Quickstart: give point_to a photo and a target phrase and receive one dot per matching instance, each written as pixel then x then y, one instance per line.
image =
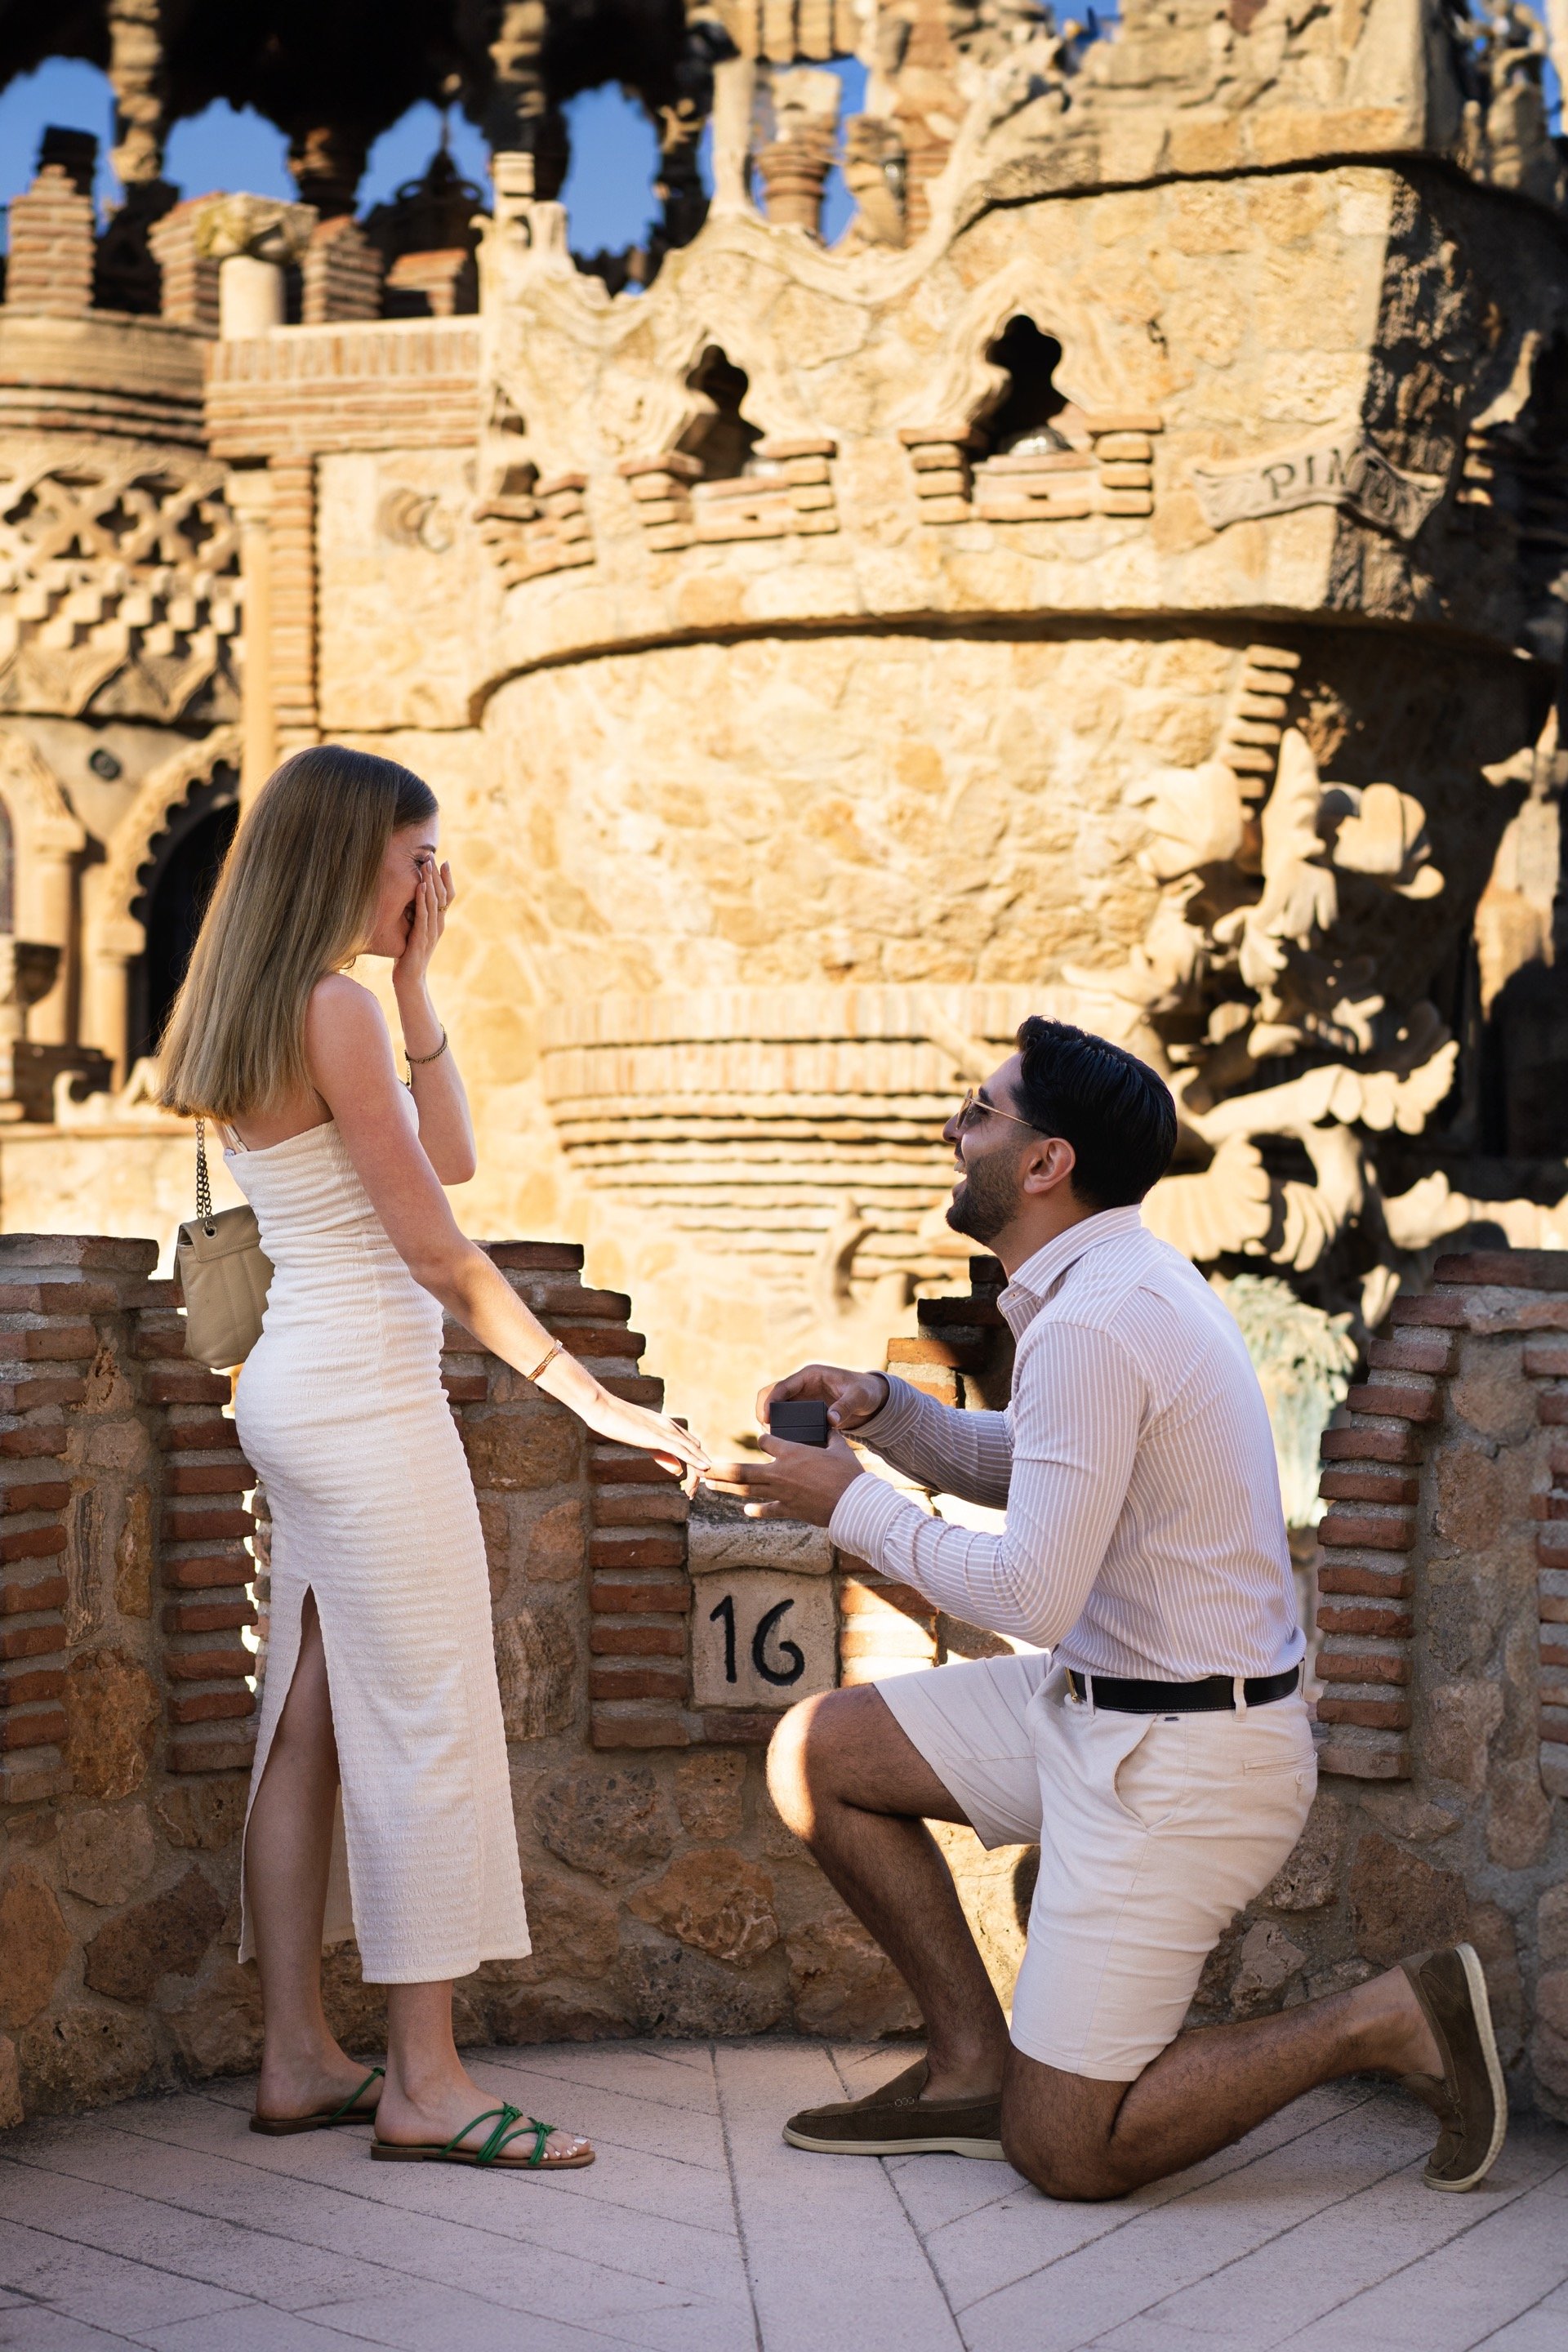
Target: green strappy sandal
pixel 510 2123
pixel 349 2112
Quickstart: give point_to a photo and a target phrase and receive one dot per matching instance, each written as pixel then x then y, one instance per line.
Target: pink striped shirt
pixel 1144 1532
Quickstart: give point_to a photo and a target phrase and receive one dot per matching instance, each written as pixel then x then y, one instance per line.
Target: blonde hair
pixel 293 902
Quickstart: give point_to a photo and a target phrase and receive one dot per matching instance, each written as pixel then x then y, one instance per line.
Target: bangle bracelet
pixel 558 1348
pixel 415 1060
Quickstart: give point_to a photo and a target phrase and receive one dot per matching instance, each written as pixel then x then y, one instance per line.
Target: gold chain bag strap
pixel 224 1274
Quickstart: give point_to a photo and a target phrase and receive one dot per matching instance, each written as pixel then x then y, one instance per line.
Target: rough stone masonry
pixel 1120 576
pixel 665 1896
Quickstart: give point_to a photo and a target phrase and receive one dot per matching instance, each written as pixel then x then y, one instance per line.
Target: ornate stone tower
pixel 1120 578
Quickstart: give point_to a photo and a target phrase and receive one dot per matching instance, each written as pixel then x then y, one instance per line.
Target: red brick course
pixel 1407 1400
pixel 1394 1533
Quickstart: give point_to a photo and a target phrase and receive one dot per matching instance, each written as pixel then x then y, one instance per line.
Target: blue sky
pixel 608 199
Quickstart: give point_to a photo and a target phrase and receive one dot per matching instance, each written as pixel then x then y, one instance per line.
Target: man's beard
pixel 987 1199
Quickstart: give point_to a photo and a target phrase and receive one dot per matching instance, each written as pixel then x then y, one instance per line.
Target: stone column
pixel 47 896
pixel 795 162
pixel 253 238
pixel 734 101
pixel 250 494
pixel 111 940
pixel 292 572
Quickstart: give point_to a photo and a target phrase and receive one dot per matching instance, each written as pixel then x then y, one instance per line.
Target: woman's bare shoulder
pixel 341 1007
pixel 346 1035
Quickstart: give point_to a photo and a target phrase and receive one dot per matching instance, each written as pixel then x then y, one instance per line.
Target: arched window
pixel 177 882
pixel 7 872
pixel 721 439
pixel 1020 425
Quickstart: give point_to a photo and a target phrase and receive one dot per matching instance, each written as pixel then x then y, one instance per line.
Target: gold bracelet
pixel 416 1061
pixel 558 1348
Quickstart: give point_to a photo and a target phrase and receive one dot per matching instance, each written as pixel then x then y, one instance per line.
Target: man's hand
pixel 796 1482
pixel 851 1397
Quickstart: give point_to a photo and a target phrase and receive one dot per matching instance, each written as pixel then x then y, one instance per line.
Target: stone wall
pixel 645 1656
pixel 664 1894
pixel 1443 1804
pixel 125 1720
pixel 1442 1718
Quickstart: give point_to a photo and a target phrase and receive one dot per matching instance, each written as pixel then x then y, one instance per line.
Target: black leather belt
pixel 1215 1694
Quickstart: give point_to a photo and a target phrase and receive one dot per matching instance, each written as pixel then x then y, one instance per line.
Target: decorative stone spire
pixel 521 118
pixel 795 162
pixel 138 78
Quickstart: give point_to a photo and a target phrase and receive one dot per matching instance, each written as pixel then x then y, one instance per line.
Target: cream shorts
pixel 1153 1831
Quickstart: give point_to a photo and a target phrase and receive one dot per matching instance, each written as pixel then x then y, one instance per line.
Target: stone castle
pixel 1124 576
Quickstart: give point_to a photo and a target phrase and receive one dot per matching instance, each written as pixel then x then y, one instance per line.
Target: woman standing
pixel 381 1674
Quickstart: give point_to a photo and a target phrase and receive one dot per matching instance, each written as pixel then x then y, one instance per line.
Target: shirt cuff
pixel 892 1421
pixel 866 1515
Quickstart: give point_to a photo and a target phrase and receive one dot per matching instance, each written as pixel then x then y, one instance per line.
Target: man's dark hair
pixel 1114 1110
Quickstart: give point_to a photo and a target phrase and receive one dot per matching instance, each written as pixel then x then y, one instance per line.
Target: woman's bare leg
pixel 429 2094
pixel 288 1851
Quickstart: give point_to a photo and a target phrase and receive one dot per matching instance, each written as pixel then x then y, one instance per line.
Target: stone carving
pixel 119 585
pixel 1346 472
pixel 1304 1360
pixel 261 228
pixel 413 518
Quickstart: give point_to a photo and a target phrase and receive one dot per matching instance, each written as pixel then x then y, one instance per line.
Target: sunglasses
pixel 974 1108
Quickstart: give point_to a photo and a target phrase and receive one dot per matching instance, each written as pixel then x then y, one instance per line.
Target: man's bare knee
pixel 1057 2129
pixel 844 1747
pixel 801 1759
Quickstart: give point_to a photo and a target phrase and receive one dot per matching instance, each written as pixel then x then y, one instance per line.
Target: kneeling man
pixel 1161 1753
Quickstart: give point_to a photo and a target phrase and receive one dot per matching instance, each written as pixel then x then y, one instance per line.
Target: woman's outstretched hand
pixel 632 1425
pixel 432 895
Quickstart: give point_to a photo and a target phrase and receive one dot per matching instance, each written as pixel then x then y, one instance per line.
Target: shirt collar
pixel 1038 1276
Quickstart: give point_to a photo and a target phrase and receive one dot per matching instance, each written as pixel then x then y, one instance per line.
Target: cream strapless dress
pixel 342 1412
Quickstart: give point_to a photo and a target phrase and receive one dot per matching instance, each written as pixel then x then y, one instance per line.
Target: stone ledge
pixel 716 1545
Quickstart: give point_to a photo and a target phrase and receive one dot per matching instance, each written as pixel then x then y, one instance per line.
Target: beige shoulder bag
pixel 224 1274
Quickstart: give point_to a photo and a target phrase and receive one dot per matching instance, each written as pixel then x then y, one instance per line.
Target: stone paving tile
pixel 99 2288
pixel 828 2245
pixel 302 2243
pixel 164 2224
pixel 1150 2249
pixel 444 2319
pixel 253 2328
pixel 1322 2269
pixel 627 2067
pixel 245 2259
pixel 1512 2253
pixel 1544 2329
pixel 666 2190
pixel 30 2328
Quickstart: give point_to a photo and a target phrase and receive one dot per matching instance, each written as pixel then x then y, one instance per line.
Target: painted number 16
pixel 793 1657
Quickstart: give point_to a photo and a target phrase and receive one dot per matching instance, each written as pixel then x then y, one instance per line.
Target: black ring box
pixel 802 1420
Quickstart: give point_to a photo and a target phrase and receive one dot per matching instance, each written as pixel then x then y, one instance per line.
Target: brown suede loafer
pixel 1470 2102
pixel 896 2121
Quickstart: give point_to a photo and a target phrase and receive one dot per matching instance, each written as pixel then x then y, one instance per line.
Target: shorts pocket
pixel 1150 1780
